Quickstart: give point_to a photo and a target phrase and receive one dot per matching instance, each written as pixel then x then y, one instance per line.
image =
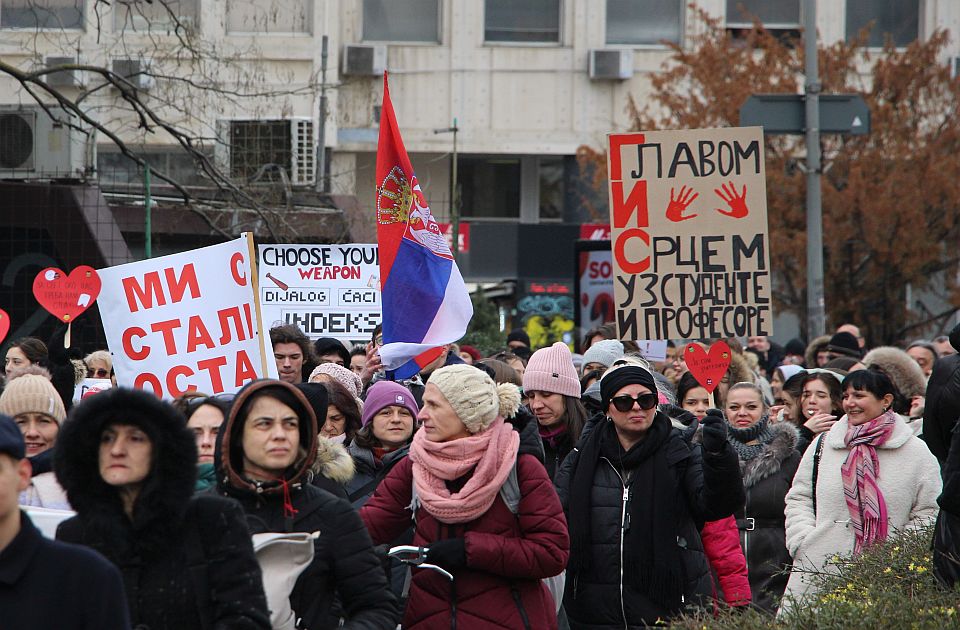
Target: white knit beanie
pixel 551 370
pixel 474 396
pixel 32 393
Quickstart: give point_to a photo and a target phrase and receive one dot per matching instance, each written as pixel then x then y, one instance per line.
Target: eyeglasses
pixel 625 403
pixel 97 373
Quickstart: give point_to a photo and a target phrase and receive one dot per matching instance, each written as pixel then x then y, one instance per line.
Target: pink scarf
pixel 491 455
pixel 860 472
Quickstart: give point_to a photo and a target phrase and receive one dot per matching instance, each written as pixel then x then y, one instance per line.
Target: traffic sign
pixel 784 113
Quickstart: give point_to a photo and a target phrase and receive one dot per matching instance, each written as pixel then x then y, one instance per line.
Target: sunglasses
pixel 625 403
pixel 97 373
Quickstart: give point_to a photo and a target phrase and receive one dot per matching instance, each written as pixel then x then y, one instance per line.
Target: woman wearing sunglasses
pixel 634 492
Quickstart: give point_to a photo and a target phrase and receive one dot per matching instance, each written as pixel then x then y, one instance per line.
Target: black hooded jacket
pixel 344 561
pixel 942 406
pixel 187 562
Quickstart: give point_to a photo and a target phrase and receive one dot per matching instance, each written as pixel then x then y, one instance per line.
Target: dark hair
pixel 575 416
pixel 523 353
pixel 870 380
pixel 343 400
pixel 592 375
pixel 687 382
pixel 292 334
pixel 358 351
pixel 901 404
pixel 188 403
pixel 34 349
pixel 282 395
pixel 377 330
pixel 833 387
pixel 499 371
pixel 364 438
pixel 506 356
pixel 842 363
pixel 329 345
pixel 794 384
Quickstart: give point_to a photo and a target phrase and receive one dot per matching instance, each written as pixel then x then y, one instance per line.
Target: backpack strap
pixel 818 451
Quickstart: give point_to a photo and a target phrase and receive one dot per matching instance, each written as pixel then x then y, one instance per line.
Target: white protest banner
pixel 90 385
pixel 185 322
pixel 325 290
pixel 688 212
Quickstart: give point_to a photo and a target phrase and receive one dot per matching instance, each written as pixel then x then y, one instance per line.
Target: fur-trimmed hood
pixel 782 445
pixel 810 356
pixel 169 485
pixel 333 461
pixel 900 367
pixel 739 369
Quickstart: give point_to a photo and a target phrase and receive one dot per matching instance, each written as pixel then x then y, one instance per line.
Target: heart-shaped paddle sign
pixel 4 324
pixel 708 367
pixel 65 297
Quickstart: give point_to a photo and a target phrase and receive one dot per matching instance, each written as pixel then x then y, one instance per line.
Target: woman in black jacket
pixel 264 461
pixel 128 465
pixel 769 457
pixel 635 493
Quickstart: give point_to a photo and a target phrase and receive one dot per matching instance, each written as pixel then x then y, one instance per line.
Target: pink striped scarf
pixel 491 455
pixel 860 473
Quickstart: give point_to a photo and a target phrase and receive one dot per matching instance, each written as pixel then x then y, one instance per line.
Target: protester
pixel 332 372
pixel 794 352
pixel 873 479
pixel 469 354
pixel 342 419
pixel 738 372
pixel 769 458
pixel 854 331
pixel 35 406
pixel 779 377
pixel 205 415
pixel 128 464
pixel 646 563
pixel 552 390
pixel 944 346
pixel 44 583
pixel 816 354
pixel 692 396
pixel 459 461
pixel 942 404
pixel 358 359
pixel 499 371
pixel 24 352
pixel 333 467
pixel 909 383
pixel 518 364
pixel 265 456
pixel 99 364
pixel 925 354
pixel 791 393
pixel 843 344
pixel 388 422
pixel 330 350
pixel 770 354
pixel 820 403
pixel 518 338
pixel 293 353
pixel 601 355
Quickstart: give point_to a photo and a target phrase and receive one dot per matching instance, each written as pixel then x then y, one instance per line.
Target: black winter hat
pixel 844 343
pixel 796 346
pixel 329 345
pixel 11 439
pixel 518 334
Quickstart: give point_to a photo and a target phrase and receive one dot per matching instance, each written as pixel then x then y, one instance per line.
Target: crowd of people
pixel 521 489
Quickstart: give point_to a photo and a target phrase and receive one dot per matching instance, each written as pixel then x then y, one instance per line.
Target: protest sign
pixel 688 216
pixel 325 290
pixel 185 322
pixel 89 386
pixel 4 324
pixel 708 367
pixel 66 296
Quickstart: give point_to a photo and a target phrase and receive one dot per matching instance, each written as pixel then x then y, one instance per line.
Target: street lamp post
pixel 454 211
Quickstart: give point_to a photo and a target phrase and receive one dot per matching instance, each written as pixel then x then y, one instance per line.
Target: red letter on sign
pixel 236 262
pixel 151 289
pixel 623 209
pixel 187 280
pixel 628 266
pixel 126 338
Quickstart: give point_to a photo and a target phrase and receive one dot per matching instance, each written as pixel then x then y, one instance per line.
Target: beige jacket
pixel 910 483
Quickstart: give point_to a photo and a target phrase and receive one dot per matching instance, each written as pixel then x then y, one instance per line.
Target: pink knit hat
pixel 551 370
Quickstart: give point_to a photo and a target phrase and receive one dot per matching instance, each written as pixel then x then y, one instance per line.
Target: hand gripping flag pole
pixel 425 301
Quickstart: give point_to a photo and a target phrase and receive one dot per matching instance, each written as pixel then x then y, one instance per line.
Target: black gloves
pixel 449 553
pixel 680 414
pixel 714 431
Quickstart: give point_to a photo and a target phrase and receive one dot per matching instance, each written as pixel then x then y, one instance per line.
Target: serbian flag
pixel 425 302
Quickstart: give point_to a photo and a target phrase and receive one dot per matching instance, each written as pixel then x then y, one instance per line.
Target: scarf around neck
pixel 651 557
pixel 489 454
pixel 738 438
pixel 553 437
pixel 860 472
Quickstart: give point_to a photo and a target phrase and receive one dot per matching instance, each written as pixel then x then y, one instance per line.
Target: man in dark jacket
pixel 264 461
pixel 44 583
pixel 942 408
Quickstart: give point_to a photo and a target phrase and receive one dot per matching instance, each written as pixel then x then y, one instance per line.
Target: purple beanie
pixel 385 394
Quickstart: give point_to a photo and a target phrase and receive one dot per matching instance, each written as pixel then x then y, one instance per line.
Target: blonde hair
pixel 99 355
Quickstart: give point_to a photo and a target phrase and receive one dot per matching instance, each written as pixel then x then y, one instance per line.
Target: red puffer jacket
pixel 507 554
pixel 721 543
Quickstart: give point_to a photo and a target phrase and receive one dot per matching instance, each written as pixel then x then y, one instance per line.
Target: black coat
pixel 49 584
pixel 711 489
pixel 942 406
pixel 766 479
pixel 344 562
pixel 187 562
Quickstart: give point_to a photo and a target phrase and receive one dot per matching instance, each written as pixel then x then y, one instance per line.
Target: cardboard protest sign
pixel 4 324
pixel 66 296
pixel 326 290
pixel 185 322
pixel 708 367
pixel 688 216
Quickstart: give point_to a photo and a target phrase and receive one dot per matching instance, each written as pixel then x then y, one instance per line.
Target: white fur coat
pixel 909 478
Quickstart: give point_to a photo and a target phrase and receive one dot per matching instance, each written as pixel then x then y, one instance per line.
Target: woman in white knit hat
pixel 498 546
pixel 34 404
pixel 552 388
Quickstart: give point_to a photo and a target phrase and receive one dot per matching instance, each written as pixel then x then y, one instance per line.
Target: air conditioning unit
pixel 364 60
pixel 35 146
pixel 62 78
pixel 616 64
pixel 247 150
pixel 136 71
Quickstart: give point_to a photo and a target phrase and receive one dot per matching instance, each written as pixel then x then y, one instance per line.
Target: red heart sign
pixel 708 367
pixel 65 296
pixel 4 324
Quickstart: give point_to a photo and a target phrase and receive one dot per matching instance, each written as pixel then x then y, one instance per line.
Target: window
pixel 773 14
pixel 401 20
pixel 115 169
pixel 535 21
pixel 552 176
pixel 269 16
pixel 898 19
pixel 52 14
pixel 139 15
pixel 644 22
pixel 490 187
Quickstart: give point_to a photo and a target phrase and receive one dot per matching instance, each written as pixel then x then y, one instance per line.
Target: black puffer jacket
pixel 767 478
pixel 344 561
pixel 368 470
pixel 942 405
pixel 711 487
pixel 174 540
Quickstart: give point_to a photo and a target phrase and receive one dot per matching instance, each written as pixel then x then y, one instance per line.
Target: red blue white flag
pixel 425 302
